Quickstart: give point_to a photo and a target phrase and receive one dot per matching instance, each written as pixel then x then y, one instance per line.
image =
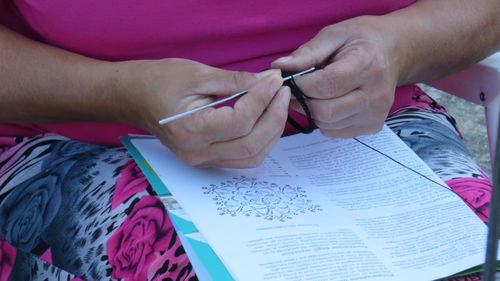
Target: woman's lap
pixel 71 209
pixel 88 211
pixel 432 134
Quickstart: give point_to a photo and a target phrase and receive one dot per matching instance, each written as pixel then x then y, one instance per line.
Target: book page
pixel 327 209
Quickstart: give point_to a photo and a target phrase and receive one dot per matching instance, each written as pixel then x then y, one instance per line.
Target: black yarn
pixel 301 98
pixel 422 175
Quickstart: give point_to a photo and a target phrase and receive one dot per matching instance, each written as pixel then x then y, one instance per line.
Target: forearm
pixel 40 83
pixel 434 38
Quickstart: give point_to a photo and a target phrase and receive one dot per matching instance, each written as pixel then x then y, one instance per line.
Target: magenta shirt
pixel 236 35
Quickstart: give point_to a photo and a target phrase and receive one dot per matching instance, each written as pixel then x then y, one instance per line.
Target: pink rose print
pixel 470 277
pixel 131 181
pixel 47 256
pixel 140 240
pixel 476 192
pixel 6 143
pixel 7 259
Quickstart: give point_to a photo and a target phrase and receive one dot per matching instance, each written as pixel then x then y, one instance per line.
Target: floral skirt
pixel 71 210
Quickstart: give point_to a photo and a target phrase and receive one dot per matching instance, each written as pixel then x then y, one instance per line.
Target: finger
pixel 333 110
pixel 216 157
pixel 315 52
pixel 335 80
pixel 228 123
pixel 269 127
pixel 296 106
pixel 361 119
pixel 353 131
pixel 251 162
pixel 342 124
pixel 216 81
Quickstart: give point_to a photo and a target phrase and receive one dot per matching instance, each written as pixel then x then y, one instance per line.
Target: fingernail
pixel 268 73
pixel 274 85
pixel 283 59
pixel 286 89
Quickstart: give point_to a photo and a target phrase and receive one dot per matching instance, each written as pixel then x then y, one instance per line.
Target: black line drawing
pixel 262 199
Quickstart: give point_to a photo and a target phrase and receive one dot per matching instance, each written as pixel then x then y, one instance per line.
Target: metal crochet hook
pixel 180 115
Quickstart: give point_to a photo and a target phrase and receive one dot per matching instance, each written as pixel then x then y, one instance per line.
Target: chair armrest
pixel 479 84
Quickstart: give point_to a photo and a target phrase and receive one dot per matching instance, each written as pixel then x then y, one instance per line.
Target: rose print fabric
pixel 135 247
pixel 432 133
pixel 77 211
pixel 71 210
pixel 7 259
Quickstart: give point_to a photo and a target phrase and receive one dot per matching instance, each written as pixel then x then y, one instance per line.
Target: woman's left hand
pixel 353 93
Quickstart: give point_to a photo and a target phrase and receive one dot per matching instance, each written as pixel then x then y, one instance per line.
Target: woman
pixel 72 205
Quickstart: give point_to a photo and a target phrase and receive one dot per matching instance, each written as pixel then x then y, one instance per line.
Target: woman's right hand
pixel 235 137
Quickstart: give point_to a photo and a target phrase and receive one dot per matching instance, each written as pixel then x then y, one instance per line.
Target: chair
pixel 479 84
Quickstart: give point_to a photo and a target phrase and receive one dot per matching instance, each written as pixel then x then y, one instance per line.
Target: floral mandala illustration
pixel 250 197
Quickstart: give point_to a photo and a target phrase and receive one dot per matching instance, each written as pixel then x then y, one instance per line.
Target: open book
pixel 317 209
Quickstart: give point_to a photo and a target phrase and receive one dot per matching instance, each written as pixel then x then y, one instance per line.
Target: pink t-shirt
pixel 236 35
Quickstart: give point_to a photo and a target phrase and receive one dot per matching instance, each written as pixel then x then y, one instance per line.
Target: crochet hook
pixel 180 115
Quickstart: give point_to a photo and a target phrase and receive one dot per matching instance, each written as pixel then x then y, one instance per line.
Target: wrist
pixel 96 96
pixel 122 84
pixel 403 49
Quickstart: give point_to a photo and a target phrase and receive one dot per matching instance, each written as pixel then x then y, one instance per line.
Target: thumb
pixel 225 83
pixel 316 52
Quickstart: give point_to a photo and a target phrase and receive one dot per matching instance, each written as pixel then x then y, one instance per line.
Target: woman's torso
pixel 238 35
